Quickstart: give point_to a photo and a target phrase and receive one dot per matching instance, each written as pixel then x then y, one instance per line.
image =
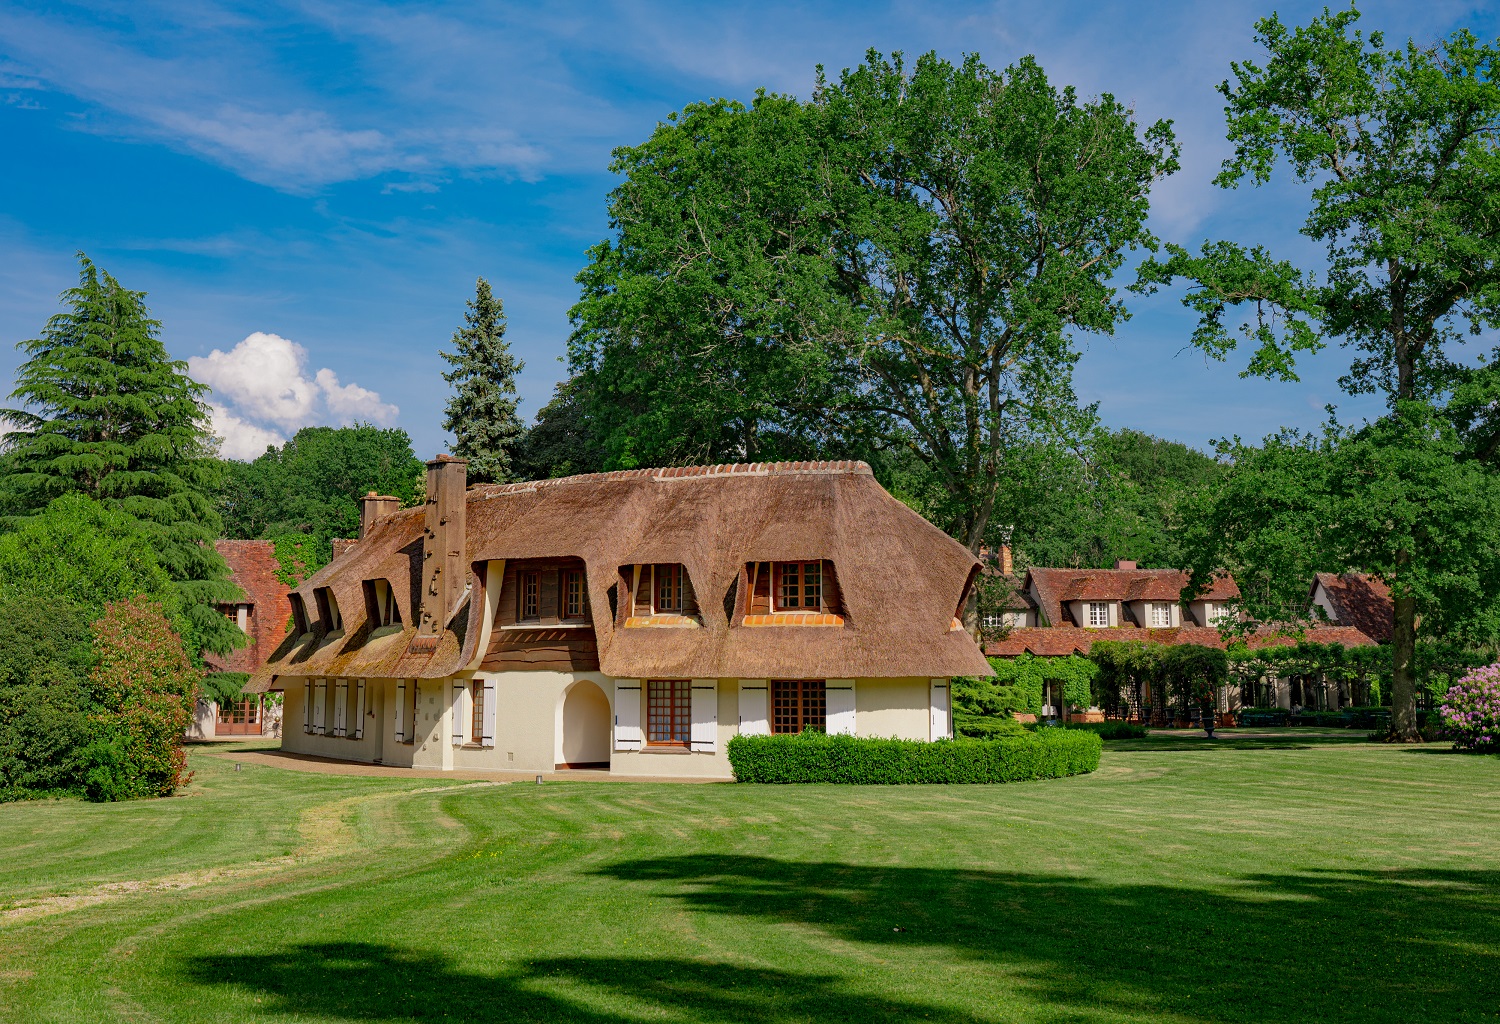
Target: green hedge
pixel 814 757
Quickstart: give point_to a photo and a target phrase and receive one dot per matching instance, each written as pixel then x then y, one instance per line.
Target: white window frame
pixel 1160 615
pixel 1101 608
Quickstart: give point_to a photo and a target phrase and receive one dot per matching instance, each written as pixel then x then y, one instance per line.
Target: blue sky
pixel 308 190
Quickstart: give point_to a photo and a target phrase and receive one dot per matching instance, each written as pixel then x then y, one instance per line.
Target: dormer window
pixel 299 614
pixel 668 586
pixel 799 586
pixel 328 609
pixel 1098 614
pixel 575 596
pixel 1160 615
pixel 380 604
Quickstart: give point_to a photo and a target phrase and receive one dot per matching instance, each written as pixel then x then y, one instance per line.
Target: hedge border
pixel 849 760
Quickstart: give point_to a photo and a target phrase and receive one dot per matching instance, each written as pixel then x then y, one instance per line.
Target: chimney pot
pixel 1124 563
pixel 374 507
pixel 1007 563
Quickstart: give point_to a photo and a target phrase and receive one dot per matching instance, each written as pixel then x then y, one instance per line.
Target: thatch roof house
pixel 603 619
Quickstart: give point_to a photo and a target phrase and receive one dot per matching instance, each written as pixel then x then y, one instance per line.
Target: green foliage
pixel 1113 730
pixel 108 415
pixel 45 656
pixel 307 492
pixel 223 687
pixel 815 757
pixel 144 688
pixel 562 441
pixel 1122 495
pixel 1401 148
pixel 1159 675
pixel 1016 688
pixel 481 412
pixel 81 552
pixel 896 266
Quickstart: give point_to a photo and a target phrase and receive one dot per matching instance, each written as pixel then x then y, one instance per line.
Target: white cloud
pixel 241 440
pixel 263 391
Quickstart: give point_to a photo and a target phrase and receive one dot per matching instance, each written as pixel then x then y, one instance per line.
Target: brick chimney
pixel 442 544
pixel 375 506
pixel 1007 562
pixel 1124 563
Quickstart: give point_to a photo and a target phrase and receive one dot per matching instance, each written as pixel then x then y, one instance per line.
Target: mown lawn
pixel 1298 880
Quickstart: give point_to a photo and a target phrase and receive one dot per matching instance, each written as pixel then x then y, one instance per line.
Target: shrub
pixel 1113 730
pixel 988 728
pixel 1471 711
pixel 814 757
pixel 145 688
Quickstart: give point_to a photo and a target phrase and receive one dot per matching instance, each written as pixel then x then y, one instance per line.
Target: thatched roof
pixel 901 578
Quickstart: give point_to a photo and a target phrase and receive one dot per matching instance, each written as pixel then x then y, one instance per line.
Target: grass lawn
pixel 1306 878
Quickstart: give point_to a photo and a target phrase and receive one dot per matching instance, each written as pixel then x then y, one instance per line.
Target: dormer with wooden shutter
pixel 658 594
pixel 543 619
pixel 328 610
pixel 381 609
pixel 802 592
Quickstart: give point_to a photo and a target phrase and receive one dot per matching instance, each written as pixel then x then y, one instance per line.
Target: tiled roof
pixel 1059 641
pixel 253 567
pixel 1054 587
pixel 1361 601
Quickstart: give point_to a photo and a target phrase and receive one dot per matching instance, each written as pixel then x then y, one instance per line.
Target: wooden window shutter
pixel 320 707
pixel 460 733
pixel 942 726
pixel 840 707
pixel 359 710
pixel 401 711
pixel 307 692
pixel 705 712
pixel 755 708
pixel 643 594
pixel 628 715
pixel 489 713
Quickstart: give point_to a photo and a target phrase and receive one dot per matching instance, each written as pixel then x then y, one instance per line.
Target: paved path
pixel 275 758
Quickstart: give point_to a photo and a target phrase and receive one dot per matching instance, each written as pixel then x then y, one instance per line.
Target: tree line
pixel 897 269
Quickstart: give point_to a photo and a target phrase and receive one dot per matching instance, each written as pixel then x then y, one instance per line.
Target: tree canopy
pixel 481 411
pixel 896 266
pixel 106 413
pixel 1400 147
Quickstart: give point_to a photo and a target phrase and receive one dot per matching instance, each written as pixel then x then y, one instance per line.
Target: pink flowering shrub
pixel 1471 710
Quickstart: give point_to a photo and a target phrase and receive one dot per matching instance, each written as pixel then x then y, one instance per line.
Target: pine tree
pixel 481 413
pixel 105 412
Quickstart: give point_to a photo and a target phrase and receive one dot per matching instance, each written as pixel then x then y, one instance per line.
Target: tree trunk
pixel 1404 669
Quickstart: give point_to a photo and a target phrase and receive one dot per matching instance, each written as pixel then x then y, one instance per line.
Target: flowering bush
pixel 1471 710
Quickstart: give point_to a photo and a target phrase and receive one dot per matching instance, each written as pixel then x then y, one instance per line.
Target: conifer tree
pixel 481 412
pixel 105 412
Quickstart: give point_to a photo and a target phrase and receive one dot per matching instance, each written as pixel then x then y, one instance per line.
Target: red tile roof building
pixel 265 610
pixel 1355 599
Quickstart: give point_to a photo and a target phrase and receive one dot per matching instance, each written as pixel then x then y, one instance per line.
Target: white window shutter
pixel 489 713
pixel 341 707
pixel 942 727
pixel 400 711
pixel 307 706
pixel 705 712
pixel 755 707
pixel 628 716
pixel 320 707
pixel 460 732
pixel 359 710
pixel 840 707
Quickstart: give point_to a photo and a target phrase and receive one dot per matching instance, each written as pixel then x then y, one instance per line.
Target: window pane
pixel 812 585
pixel 668 711
pixel 531 588
pixel 797 705
pixel 476 721
pixel 791 585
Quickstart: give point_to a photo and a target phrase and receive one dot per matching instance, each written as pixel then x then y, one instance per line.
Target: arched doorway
pixel 585 728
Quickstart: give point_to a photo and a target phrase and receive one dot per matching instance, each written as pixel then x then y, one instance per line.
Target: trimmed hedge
pixel 814 757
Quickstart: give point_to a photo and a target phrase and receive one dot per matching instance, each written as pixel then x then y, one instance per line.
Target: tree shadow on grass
pixel 362 981
pixel 1319 945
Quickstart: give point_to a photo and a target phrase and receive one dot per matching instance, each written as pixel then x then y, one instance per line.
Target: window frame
pixel 798 705
pixel 669 702
pixel 671 574
pixel 805 592
pixel 567 579
pixel 1162 609
pixel 1090 607
pixel 476 712
pixel 529 595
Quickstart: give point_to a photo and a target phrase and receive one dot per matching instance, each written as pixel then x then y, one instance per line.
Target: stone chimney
pixel 1007 563
pixel 443 538
pixel 1124 563
pixel 375 506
